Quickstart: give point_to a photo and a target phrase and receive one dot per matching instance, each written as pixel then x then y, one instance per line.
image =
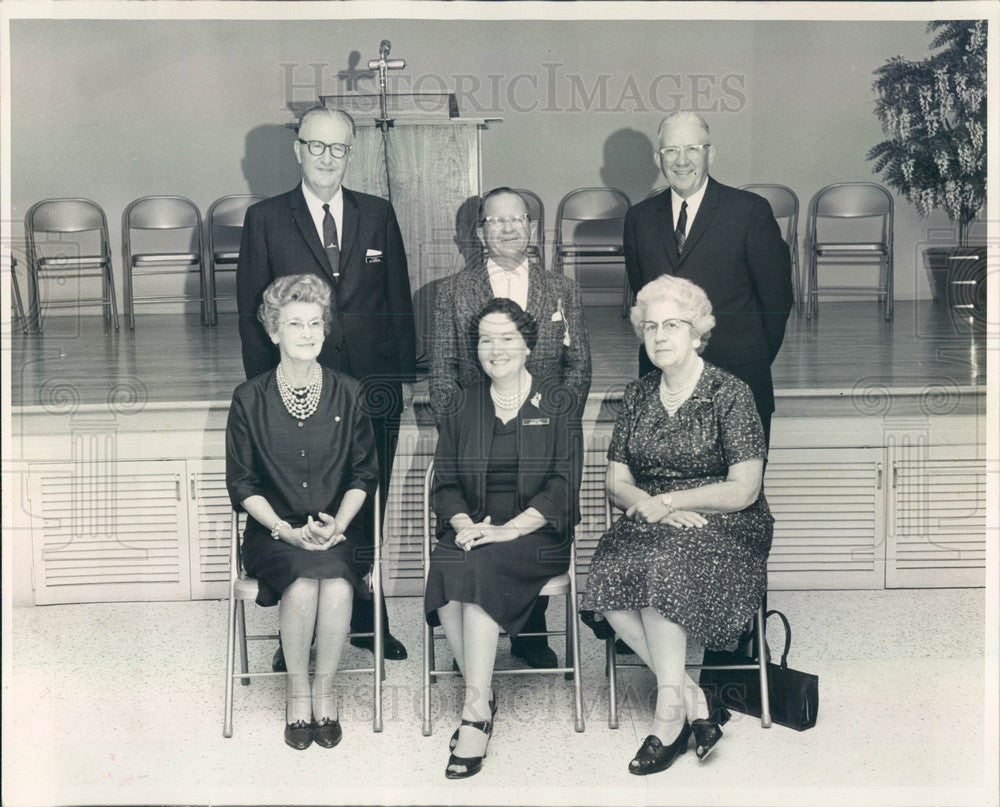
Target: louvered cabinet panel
pixel 402 545
pixel 828 507
pixel 591 527
pixel 938 521
pixel 210 511
pixel 107 532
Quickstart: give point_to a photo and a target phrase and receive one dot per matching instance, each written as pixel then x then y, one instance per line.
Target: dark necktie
pixel 330 240
pixel 680 234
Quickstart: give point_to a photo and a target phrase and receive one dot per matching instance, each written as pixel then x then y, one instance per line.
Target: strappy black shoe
pixel 493 713
pixel 654 756
pixel 473 765
pixel 706 734
pixel 299 735
pixel 327 732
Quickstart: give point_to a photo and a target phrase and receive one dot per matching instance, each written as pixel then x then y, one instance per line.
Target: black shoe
pixel 327 732
pixel 621 647
pixel 654 756
pixel 299 735
pixel 536 655
pixel 706 734
pixel 472 764
pixel 493 713
pixel 278 662
pixel 602 630
pixel 394 649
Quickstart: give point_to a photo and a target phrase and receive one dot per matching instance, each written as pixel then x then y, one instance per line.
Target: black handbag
pixel 794 695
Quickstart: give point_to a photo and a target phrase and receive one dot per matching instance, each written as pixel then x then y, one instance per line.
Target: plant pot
pixel 958 280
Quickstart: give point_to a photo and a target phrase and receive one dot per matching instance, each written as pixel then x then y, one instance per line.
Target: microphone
pixel 383 53
pixel 383 49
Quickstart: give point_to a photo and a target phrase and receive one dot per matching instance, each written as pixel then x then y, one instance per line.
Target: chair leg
pixel 212 299
pixel 227 724
pixel 18 302
pixel 34 297
pixel 111 294
pixel 765 695
pixel 129 303
pixel 426 678
pixel 379 664
pixel 573 639
pixel 242 627
pixel 612 668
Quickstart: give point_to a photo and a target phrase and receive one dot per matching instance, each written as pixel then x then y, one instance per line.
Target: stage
pixel 115 475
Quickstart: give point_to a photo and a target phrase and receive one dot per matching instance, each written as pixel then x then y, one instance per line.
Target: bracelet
pixel 276 528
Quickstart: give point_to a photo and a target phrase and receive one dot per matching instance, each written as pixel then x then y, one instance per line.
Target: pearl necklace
pixel 672 399
pixel 300 403
pixel 511 402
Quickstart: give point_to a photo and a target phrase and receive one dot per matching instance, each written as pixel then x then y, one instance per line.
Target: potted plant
pixel 934 114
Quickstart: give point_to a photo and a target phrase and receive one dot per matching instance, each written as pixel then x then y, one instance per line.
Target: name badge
pixel 535 422
pixel 373 256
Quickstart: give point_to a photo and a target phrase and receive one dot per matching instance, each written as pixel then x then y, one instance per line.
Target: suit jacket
pixel 561 357
pixel 735 252
pixel 550 459
pixel 372 331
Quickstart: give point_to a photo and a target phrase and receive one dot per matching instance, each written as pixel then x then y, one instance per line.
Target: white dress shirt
pixel 694 202
pixel 315 205
pixel 509 283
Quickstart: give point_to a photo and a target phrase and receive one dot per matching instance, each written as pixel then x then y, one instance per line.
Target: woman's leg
pixel 333 619
pixel 667 643
pixel 480 634
pixel 450 616
pixel 694 699
pixel 296 621
pixel 628 626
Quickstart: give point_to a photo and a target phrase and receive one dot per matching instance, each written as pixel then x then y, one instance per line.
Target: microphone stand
pixel 383 64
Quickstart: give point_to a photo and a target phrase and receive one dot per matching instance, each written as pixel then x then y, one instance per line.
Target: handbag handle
pixel 788 633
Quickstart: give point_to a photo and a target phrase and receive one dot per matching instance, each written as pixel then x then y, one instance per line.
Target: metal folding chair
pixel 15 289
pixel 785 205
pixel 69 237
pixel 855 204
pixel 759 663
pixel 166 219
pixel 243 588
pixel 224 224
pixel 563 585
pixel 536 211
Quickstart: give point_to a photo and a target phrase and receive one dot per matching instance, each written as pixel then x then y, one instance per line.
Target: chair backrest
pixel 161 213
pixel 65 216
pixel 784 205
pixel 656 191
pixel 591 216
pixel 225 220
pixel 536 210
pixel 852 200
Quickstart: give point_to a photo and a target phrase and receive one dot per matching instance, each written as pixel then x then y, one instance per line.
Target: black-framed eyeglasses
pixel 691 152
pixel 317 147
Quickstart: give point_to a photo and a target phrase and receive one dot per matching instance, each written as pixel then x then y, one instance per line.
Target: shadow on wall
pixel 269 165
pixel 629 164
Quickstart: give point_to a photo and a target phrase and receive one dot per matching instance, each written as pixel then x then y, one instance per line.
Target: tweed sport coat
pixel 560 359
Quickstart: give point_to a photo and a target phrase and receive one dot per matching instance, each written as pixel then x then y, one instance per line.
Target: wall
pixel 113 109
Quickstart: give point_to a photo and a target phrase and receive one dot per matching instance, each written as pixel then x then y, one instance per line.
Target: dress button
pixel 301 424
pixel 303 453
pixel 305 484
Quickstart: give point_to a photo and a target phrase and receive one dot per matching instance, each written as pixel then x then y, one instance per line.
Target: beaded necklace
pixel 302 402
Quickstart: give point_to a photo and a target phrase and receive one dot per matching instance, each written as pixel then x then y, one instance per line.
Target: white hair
pixel 683 116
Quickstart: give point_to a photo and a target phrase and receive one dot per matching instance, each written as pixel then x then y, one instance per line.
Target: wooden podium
pixel 435 170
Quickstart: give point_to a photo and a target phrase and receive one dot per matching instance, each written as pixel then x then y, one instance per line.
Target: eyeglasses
pixel 691 152
pixel 506 221
pixel 671 326
pixel 298 326
pixel 317 147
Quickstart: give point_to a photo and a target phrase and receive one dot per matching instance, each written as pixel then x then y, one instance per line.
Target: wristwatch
pixel 276 528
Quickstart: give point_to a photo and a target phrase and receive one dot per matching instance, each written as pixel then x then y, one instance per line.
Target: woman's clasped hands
pixel 483 532
pixel 320 534
pixel 654 510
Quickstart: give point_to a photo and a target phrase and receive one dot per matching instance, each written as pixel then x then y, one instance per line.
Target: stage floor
pixel 173 358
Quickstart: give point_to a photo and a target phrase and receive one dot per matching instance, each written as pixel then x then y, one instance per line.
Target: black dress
pixel 301 467
pixel 503 578
pixel 709 580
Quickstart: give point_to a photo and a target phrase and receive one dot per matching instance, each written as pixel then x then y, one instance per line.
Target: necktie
pixel 330 240
pixel 680 234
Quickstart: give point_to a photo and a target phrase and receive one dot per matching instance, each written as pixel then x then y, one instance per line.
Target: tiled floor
pixel 122 703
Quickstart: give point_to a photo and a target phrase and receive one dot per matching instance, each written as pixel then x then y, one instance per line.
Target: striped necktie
pixel 680 234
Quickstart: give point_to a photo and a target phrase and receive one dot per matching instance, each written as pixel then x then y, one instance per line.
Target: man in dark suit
pixel 352 241
pixel 725 240
pixel 561 356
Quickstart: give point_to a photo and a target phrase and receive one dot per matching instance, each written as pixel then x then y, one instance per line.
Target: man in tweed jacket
pixel 561 358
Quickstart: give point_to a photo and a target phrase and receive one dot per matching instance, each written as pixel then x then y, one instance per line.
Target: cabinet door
pixel 828 507
pixel 938 519
pixel 109 532
pixel 210 519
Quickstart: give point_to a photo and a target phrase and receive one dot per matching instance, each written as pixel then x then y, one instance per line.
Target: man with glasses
pixel 352 241
pixel 561 357
pixel 726 241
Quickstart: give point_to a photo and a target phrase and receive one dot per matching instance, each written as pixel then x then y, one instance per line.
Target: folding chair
pixel 243 588
pixel 15 289
pixel 69 237
pixel 536 212
pixel 759 663
pixel 224 224
pixel 785 205
pixel 563 585
pixel 165 218
pixel 867 208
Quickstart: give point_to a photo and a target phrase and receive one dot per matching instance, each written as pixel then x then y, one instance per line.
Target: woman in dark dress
pixel 688 560
pixel 506 488
pixel 300 459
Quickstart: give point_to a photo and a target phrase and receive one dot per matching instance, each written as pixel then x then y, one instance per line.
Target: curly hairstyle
pixel 523 321
pixel 687 296
pixel 293 289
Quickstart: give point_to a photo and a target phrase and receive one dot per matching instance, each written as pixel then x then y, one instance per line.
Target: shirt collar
pixel 693 201
pixel 316 204
pixel 492 267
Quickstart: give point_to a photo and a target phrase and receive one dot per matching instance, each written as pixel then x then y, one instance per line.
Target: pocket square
pixel 557 316
pixel 373 256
